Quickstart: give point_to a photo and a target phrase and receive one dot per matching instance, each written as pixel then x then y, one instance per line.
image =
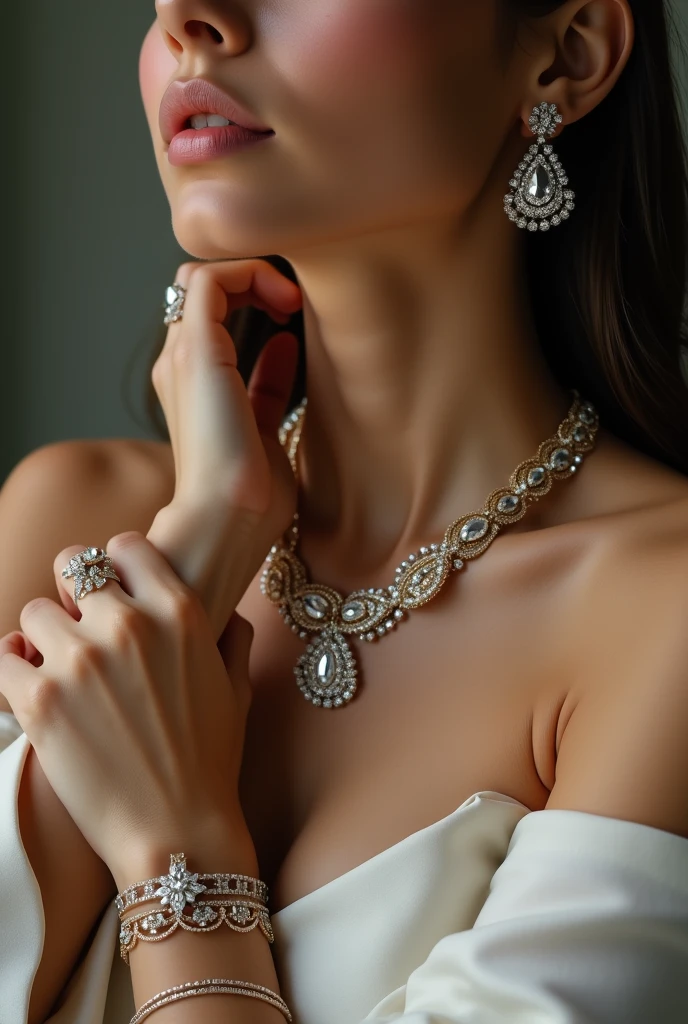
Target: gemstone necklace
pixel 326 673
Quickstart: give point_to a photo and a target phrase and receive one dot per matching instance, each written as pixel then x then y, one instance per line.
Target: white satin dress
pixel 494 915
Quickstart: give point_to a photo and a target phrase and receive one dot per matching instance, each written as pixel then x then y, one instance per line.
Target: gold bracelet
pixel 212 986
pixel 239 915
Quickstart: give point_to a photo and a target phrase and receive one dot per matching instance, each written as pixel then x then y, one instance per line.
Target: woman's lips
pixel 198 145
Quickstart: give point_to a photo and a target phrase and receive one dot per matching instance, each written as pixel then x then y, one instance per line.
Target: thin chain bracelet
pixel 212 986
pixel 239 915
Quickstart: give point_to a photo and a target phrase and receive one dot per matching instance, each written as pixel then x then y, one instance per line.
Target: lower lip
pixel 197 145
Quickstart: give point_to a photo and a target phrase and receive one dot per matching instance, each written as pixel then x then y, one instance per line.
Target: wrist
pixel 207 851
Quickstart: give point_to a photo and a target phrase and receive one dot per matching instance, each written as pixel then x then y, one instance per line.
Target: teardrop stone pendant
pixel 326 671
pixel 538 199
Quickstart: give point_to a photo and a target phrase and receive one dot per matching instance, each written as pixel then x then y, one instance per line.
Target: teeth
pixel 208 121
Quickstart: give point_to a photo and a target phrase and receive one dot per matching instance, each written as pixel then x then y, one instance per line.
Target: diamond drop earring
pixel 537 198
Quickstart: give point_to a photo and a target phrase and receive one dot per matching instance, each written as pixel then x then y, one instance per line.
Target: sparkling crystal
pixel 508 503
pixel 327 667
pixel 171 295
pixel 561 459
pixel 536 476
pixel 540 185
pixel 353 610
pixel 316 606
pixel 580 434
pixel 586 415
pixel 203 915
pixel 474 529
pixel 153 922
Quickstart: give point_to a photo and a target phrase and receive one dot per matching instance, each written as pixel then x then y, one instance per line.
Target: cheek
pixel 354 46
pixel 156 67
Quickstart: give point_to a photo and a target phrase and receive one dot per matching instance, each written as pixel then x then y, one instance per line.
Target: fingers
pixel 242 282
pixel 271 382
pixel 147 578
pixel 216 444
pixel 69 586
pixel 17 676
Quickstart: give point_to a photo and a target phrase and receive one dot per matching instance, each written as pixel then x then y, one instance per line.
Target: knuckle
pixel 123 541
pixel 43 696
pixel 158 375
pixel 185 270
pixel 181 354
pixel 85 659
pixel 36 604
pixel 182 606
pixel 128 624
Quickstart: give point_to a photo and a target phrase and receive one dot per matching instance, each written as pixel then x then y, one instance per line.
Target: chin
pixel 211 229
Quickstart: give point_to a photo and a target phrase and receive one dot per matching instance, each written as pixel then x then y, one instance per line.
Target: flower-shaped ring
pixel 91 569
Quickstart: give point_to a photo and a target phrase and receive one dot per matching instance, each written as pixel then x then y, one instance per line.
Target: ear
pixel 576 54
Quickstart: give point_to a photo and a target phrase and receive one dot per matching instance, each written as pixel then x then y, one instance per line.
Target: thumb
pixel 235 648
pixel 272 380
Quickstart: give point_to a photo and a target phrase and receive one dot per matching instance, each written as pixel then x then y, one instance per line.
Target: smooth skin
pixel 554 670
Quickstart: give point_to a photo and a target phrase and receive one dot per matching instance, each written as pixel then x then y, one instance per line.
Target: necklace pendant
pixel 326 671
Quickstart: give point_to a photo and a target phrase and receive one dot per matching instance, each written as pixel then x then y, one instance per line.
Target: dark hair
pixel 608 286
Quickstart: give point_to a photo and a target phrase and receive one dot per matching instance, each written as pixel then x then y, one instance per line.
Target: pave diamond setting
pixel 326 673
pixel 538 199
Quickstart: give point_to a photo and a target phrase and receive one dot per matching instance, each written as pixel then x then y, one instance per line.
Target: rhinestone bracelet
pixel 179 882
pixel 239 915
pixel 210 986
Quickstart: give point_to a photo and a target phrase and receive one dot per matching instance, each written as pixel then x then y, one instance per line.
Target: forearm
pixel 190 956
pixel 75 884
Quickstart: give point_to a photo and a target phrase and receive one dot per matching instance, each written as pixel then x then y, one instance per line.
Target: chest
pixel 450 703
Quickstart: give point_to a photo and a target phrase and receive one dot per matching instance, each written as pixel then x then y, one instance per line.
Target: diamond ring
pixel 91 569
pixel 174 303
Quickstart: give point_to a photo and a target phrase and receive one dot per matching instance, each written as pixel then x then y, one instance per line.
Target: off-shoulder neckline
pixel 489 796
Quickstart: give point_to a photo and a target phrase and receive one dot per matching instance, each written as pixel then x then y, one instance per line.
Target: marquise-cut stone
pixel 327 666
pixel 561 459
pixel 315 605
pixel 540 185
pixel 536 476
pixel 474 529
pixel 508 503
pixel 353 611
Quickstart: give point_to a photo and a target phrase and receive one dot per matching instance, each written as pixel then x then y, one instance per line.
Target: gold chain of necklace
pixel 326 673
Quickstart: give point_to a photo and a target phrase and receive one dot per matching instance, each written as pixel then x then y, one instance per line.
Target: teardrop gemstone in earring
pixel 538 198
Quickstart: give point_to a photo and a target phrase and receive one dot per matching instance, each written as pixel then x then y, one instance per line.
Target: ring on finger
pixel 91 569
pixel 175 296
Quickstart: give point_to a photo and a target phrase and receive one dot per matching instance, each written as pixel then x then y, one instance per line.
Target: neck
pixel 426 388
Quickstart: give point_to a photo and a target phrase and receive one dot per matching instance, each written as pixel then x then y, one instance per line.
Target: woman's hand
pixel 136 717
pixel 235 491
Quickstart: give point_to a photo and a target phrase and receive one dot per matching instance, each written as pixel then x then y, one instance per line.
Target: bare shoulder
pixel 623 744
pixel 73 492
pixel 133 472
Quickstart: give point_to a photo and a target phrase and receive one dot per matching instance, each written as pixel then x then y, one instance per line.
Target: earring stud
pixel 538 198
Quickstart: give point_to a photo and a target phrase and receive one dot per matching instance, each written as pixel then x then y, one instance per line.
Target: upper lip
pixel 182 99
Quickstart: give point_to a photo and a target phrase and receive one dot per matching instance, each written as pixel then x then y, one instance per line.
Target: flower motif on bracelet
pixel 179 887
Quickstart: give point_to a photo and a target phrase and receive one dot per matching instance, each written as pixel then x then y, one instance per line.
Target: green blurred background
pixel 89 246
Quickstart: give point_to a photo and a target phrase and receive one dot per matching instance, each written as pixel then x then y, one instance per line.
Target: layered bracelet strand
pixel 238 901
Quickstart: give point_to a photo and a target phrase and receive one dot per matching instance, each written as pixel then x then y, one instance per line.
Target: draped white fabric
pixel 494 914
